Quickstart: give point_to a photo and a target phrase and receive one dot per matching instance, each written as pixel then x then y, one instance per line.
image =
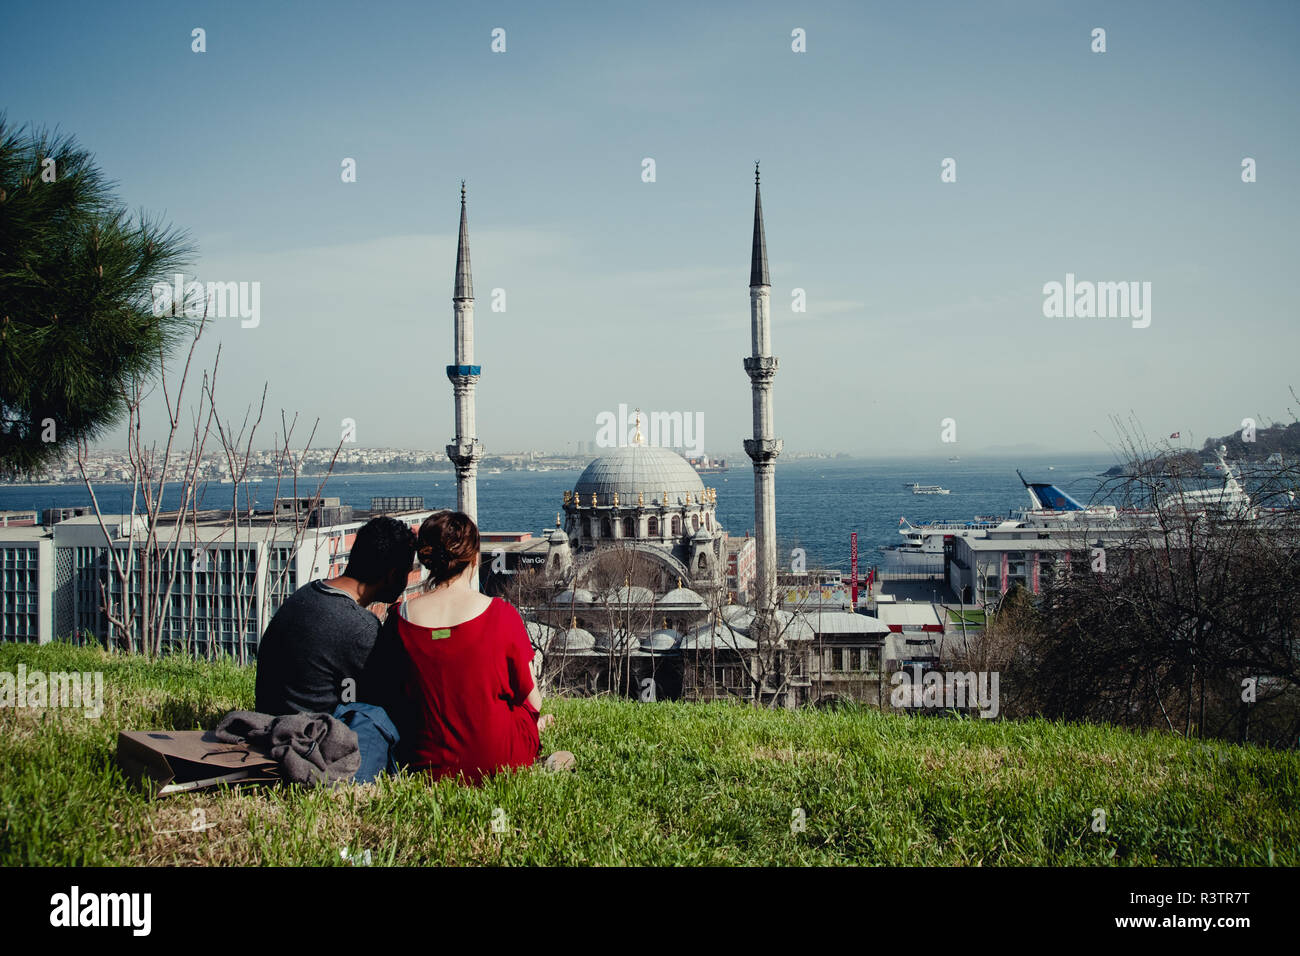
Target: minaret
pixel 763 448
pixel 466 451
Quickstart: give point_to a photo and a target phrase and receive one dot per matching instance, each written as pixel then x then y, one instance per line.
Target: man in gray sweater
pixel 323 636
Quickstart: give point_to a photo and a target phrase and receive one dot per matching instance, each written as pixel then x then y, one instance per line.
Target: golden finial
pixel 640 499
pixel 665 502
pixel 616 499
pixel 568 497
pixel 593 499
pixel 557 519
pixel 679 581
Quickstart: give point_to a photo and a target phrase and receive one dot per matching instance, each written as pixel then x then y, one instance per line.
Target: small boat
pixel 919 489
pixel 954 459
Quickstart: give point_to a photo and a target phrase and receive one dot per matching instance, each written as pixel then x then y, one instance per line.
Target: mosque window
pixel 654 526
pixel 605 530
pixel 677 525
pixel 703 563
pixel 628 530
pixel 708 522
pixel 595 532
pixel 695 522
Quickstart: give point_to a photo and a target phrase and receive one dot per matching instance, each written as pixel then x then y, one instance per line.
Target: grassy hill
pixel 662 784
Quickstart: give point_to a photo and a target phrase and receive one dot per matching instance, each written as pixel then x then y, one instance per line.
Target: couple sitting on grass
pixel 450 667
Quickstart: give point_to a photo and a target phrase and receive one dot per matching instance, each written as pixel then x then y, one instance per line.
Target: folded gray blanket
pixel 312 748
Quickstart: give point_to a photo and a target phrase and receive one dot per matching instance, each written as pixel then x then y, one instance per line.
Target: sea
pixel 819 502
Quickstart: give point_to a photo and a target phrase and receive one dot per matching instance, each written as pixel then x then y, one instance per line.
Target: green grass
pixel 664 784
pixel 972 617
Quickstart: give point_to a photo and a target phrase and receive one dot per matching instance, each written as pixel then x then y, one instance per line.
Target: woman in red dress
pixel 460 687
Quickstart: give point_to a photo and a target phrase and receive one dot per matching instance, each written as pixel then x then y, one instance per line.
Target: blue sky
pixel 924 298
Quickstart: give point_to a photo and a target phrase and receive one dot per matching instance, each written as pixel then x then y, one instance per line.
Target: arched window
pixel 703 563
pixel 695 522
pixel 654 526
pixel 629 530
pixel 605 530
pixel 595 531
pixel 708 522
pixel 677 526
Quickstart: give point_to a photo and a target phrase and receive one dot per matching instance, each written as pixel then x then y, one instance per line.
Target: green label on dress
pixel 439 633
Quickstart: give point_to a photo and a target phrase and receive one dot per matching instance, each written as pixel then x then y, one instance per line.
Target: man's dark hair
pixel 383 545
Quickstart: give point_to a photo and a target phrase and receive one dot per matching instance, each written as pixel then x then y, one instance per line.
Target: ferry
pixel 918 489
pixel 923 543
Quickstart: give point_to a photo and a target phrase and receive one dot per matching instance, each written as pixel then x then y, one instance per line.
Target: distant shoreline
pixel 270 481
pixel 264 481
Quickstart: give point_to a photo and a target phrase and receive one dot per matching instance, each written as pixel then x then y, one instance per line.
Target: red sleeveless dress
pixel 466 689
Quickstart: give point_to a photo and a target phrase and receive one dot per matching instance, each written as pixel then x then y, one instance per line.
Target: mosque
pixel 638 589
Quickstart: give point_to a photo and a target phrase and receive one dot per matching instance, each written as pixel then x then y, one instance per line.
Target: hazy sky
pixel 924 298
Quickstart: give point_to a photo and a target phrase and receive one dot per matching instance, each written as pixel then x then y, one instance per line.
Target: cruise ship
pixel 1052 507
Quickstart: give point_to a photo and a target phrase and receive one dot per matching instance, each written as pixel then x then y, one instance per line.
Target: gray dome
pixel 558 537
pixel 664 639
pixel 624 596
pixel 540 634
pixel 684 598
pixel 574 596
pixel 573 639
pixel 618 642
pixel 789 625
pixel 738 616
pixel 633 469
pixel 717 637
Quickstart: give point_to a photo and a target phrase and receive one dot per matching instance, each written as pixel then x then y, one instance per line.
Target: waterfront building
pixel 224 581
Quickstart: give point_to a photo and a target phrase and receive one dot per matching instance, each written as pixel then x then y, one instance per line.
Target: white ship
pixel 918 489
pixel 1051 507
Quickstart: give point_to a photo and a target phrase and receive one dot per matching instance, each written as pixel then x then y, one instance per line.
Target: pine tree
pixel 77 323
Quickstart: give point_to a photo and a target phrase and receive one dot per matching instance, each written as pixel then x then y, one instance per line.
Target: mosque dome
pixel 540 635
pixel 717 637
pixel 635 594
pixel 574 596
pixel 573 639
pixel 618 642
pixel 664 639
pixel 638 469
pixel 682 598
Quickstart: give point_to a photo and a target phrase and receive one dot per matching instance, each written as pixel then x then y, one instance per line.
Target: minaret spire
pixel 464 282
pixel 465 451
pixel 758 257
pixel 764 447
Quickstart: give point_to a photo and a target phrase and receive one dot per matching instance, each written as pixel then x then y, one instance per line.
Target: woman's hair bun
pixel 447 543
